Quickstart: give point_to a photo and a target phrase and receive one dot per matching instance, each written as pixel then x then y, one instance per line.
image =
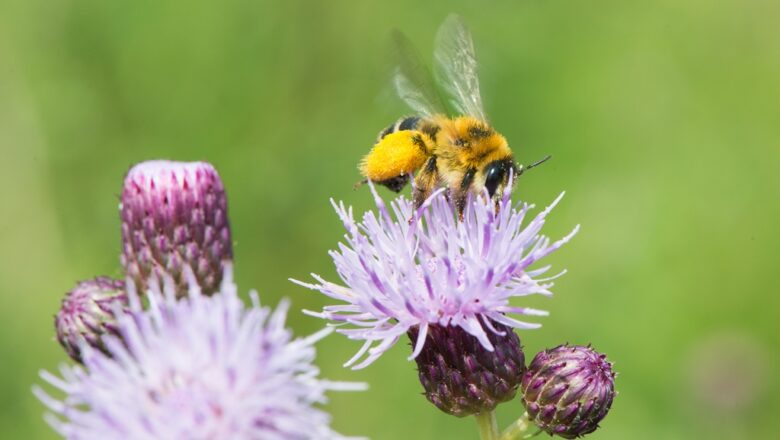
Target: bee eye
pixel 494 175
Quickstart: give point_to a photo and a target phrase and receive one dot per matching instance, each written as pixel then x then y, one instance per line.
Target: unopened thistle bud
pixel 568 390
pixel 460 376
pixel 88 312
pixel 174 215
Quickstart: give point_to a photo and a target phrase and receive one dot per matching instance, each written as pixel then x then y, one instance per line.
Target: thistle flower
pixel 200 368
pixel 88 312
pixel 445 282
pixel 174 214
pixel 568 390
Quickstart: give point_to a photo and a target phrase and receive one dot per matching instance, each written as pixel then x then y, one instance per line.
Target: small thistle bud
pixel 568 390
pixel 460 376
pixel 87 313
pixel 174 215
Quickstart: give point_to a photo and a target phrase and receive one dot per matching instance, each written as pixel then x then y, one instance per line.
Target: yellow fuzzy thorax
pixel 470 142
pixel 398 153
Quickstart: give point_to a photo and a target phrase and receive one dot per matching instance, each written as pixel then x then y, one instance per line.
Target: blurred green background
pixel 663 119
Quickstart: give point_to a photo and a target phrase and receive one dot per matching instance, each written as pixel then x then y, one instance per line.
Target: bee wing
pixel 413 81
pixel 455 67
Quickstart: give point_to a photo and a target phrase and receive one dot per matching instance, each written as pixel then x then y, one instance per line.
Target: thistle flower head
pixel 174 214
pixel 568 390
pixel 196 368
pixel 404 269
pixel 88 312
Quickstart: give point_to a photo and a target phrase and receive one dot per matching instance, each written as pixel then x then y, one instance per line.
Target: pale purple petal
pixel 203 368
pixel 402 268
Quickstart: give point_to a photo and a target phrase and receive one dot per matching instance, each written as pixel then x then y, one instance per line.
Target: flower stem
pixel 488 427
pixel 517 430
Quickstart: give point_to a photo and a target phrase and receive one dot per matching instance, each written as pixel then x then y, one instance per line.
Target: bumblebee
pixel 463 152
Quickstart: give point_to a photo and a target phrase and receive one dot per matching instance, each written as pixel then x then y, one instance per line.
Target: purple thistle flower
pixel 199 368
pixel 88 312
pixel 174 214
pixel 435 270
pixel 568 390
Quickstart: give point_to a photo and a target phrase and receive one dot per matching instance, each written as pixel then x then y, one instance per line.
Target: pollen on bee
pixel 396 154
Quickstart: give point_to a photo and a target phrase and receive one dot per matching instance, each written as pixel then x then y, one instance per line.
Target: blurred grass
pixel 663 118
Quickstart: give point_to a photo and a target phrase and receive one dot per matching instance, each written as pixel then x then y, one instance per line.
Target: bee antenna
pixel 359 184
pixel 522 168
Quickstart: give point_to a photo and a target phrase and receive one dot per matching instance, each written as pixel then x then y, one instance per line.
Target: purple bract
pixel 568 390
pixel 174 214
pixel 461 377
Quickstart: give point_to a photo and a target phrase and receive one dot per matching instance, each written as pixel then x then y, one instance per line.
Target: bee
pixel 463 152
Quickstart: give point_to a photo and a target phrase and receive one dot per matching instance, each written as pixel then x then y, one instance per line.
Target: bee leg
pixel 424 182
pixel 421 192
pixel 359 184
pixel 460 198
pixel 460 194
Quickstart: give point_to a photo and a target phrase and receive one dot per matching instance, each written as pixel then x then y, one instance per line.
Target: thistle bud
pixel 460 376
pixel 87 313
pixel 568 390
pixel 174 215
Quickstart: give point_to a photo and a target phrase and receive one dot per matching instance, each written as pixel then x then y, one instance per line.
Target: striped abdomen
pixel 405 123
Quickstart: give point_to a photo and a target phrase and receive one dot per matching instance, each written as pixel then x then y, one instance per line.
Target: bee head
pixel 497 174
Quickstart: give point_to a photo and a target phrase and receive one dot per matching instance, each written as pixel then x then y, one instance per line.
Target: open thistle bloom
pixel 88 312
pixel 448 284
pixel 568 390
pixel 174 214
pixel 197 368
